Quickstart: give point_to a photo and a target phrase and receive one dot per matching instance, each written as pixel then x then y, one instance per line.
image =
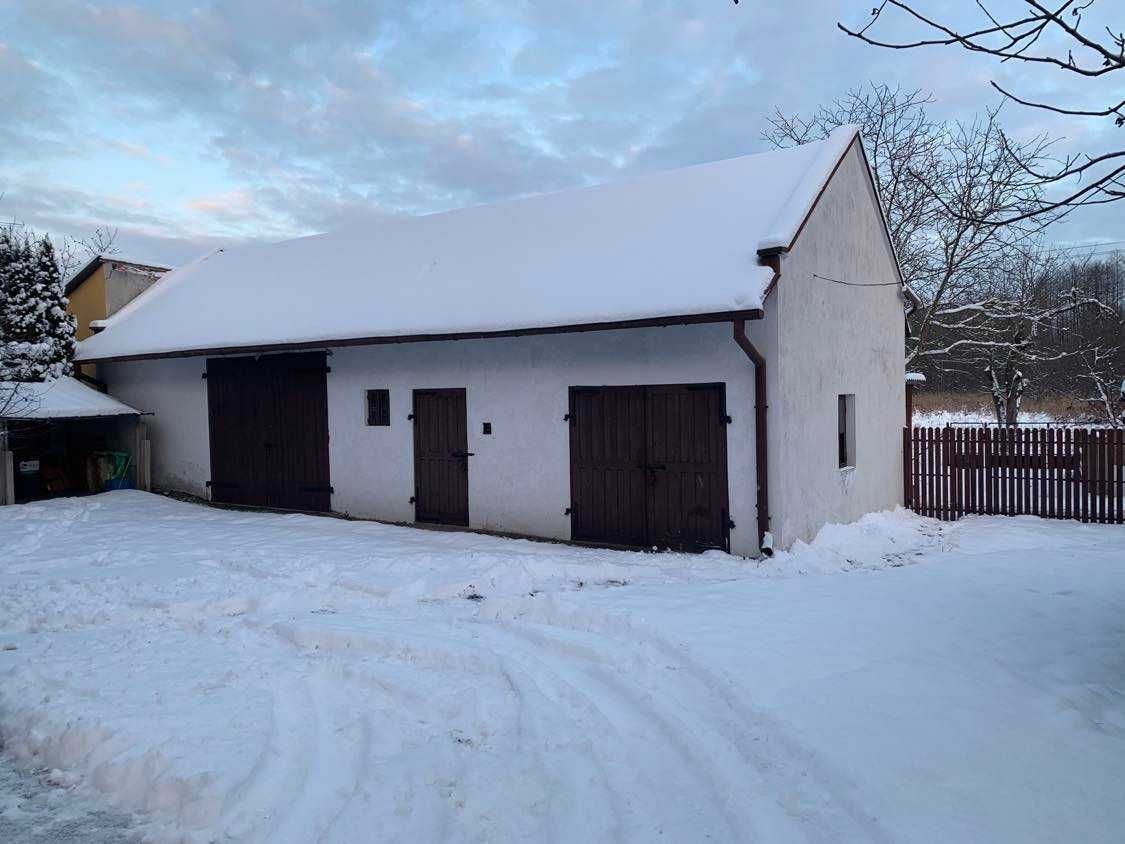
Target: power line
pixel 859 283
pixel 1079 247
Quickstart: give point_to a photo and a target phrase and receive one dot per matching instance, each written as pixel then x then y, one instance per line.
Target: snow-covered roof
pixel 915 378
pixel 63 398
pixel 682 243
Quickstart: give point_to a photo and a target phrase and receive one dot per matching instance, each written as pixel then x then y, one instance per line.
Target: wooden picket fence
pixel 1056 473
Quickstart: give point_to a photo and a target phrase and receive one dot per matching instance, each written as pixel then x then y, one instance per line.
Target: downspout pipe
pixel 761 451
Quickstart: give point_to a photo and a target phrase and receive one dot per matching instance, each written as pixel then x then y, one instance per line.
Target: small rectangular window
pixel 378 407
pixel 845 415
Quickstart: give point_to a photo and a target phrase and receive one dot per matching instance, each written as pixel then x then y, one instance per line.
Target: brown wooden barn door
pixel 607 456
pixel 441 457
pixel 648 466
pixel 269 431
pixel 300 439
pixel 687 467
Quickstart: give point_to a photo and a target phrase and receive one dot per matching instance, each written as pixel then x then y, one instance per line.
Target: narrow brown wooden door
pixel 269 431
pixel 686 439
pixel 648 466
pixel 607 465
pixel 441 457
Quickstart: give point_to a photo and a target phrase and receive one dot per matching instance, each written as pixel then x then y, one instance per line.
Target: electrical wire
pixel 859 283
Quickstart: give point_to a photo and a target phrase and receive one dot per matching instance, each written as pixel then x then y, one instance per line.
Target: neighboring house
pixel 104 286
pixel 704 358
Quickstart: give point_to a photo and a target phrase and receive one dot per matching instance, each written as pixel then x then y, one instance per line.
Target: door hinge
pixel 568 418
pixel 728 419
pixel 568 511
pixel 221 484
pixel 328 489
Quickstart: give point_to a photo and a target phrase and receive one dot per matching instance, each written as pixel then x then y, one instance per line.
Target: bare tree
pixel 1016 328
pixel 942 187
pixel 73 252
pixel 1057 35
pixel 992 299
pixel 1095 372
pixel 1099 369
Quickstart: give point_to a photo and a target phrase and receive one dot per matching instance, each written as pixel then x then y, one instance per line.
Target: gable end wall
pixel 836 339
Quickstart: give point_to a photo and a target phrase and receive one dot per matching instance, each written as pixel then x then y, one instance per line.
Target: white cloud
pixel 346 110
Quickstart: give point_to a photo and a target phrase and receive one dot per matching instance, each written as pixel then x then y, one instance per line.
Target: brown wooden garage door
pixel 648 466
pixel 269 431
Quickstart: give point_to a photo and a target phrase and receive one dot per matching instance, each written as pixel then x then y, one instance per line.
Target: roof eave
pixel 770 255
pixel 648 322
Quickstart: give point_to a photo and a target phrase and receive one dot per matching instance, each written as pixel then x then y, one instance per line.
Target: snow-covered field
pixel 284 678
pixel 941 418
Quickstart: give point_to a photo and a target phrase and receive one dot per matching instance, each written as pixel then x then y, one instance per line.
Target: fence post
pixel 955 474
pixel 907 484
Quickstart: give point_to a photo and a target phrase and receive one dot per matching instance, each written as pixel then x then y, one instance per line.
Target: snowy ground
pixel 37 808
pixel 941 418
pixel 243 676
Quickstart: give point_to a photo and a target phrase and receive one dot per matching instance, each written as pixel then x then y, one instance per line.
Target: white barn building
pixel 694 359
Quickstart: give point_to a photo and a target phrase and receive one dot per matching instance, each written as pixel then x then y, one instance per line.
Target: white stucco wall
pixel 175 392
pixel 836 339
pixel 519 478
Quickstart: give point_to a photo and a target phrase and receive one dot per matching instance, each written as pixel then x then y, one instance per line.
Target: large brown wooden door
pixel 648 466
pixel 441 457
pixel 269 431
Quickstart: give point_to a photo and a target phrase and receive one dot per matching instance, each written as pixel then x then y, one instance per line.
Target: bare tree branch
pixel 1019 37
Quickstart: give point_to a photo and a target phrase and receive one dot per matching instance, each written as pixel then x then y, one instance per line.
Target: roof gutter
pixel 761 433
pixel 327 343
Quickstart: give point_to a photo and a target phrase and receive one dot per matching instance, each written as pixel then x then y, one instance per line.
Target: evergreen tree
pixel 59 325
pixel 36 333
pixel 7 256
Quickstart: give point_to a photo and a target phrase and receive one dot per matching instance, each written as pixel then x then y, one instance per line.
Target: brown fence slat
pixel 1083 475
pixel 1060 473
pixel 943 474
pixel 1119 468
pixel 1068 487
pixel 1050 473
pixel 1095 476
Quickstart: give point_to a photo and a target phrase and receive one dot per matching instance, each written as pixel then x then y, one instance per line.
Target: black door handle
pixel 463 454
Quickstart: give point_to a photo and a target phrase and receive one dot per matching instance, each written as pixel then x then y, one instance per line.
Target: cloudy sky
pixel 189 123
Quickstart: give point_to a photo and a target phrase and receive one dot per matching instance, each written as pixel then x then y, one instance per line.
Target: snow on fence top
pixel 678 243
pixel 63 398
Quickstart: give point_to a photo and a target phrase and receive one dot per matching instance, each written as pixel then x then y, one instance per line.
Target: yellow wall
pixel 88 302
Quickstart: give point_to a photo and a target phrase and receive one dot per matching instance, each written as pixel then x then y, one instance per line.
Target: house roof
pixel 63 398
pixel 680 245
pixel 88 270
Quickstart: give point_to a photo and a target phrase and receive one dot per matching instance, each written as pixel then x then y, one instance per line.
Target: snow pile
pixel 272 678
pixel 877 540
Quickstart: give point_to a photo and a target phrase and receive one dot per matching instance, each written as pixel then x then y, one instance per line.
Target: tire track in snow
pixel 778 765
pixel 584 797
pixel 279 772
pixel 639 744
